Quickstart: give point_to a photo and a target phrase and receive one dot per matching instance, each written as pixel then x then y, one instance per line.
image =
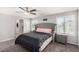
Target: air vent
pixel 45 19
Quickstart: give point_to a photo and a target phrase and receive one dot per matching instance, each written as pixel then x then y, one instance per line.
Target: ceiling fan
pixel 28 10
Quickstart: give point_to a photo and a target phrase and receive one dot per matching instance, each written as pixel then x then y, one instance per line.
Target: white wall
pixel 78 26
pixel 51 19
pixel 73 39
pixel 7 27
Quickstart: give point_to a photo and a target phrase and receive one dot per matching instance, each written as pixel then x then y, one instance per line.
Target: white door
pixel 26 25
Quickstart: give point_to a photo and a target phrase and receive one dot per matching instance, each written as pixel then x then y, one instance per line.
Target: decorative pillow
pixel 44 30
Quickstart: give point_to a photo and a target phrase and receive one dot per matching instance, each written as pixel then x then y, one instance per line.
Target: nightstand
pixel 61 38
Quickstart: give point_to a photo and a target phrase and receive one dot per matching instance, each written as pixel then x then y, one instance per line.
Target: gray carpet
pixel 9 46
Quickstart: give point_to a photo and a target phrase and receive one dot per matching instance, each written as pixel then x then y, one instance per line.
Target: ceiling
pixel 41 11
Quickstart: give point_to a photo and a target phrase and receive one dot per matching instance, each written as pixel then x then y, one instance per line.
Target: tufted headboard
pixel 46 25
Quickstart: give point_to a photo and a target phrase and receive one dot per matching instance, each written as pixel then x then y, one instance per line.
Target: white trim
pixel 7 39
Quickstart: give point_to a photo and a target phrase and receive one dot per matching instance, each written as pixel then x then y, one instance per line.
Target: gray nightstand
pixel 61 38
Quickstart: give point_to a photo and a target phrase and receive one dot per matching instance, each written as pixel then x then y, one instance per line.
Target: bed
pixel 35 40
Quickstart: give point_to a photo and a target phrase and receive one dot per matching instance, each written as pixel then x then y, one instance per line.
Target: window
pixel 60 24
pixel 66 24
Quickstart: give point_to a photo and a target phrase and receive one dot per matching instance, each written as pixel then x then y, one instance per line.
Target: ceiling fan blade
pixel 33 10
pixel 22 8
pixel 26 9
pixel 33 13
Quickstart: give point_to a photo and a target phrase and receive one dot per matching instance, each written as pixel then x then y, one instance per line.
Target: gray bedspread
pixel 39 36
pixel 33 40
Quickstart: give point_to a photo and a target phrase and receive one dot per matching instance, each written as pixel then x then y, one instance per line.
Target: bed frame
pixel 45 44
pixel 47 25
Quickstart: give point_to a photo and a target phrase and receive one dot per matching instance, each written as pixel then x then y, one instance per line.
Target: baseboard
pixel 72 43
pixel 68 43
pixel 3 40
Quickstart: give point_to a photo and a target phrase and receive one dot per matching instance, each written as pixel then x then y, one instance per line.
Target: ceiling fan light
pixel 26 13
